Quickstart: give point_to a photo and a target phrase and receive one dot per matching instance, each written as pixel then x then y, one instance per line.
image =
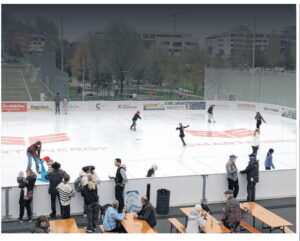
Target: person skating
pixel 210 113
pixel 259 120
pixel 34 151
pixel 134 120
pixel 181 129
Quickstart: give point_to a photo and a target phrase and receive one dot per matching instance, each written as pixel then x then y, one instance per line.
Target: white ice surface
pixel 155 141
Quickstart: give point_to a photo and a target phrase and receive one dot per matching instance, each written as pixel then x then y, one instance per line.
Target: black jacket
pixel 90 196
pixel 28 182
pixel 135 117
pixel 252 171
pixel 147 213
pixel 181 130
pixel 210 110
pixel 150 172
pixel 55 178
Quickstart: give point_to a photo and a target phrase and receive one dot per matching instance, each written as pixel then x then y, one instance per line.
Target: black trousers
pixel 119 196
pixel 268 168
pixel 92 215
pixel 53 203
pixel 25 203
pixel 133 125
pixel 255 149
pixel 181 137
pixel 234 186
pixel 57 108
pixel 65 212
pixel 251 191
pixel 232 226
pixel 258 123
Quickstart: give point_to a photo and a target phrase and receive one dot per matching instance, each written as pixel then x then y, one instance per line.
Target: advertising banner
pixel 127 106
pixel 246 106
pixel 14 107
pixel 195 105
pixel 174 105
pixel 289 113
pixel 39 107
pixel 154 107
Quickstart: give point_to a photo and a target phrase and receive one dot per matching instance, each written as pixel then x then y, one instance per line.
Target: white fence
pixel 185 190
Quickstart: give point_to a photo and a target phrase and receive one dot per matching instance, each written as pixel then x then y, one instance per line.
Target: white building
pixel 174 42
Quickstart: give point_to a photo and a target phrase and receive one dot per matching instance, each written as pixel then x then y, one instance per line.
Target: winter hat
pixel 138 112
pixel 55 165
pixel 197 207
pixel 232 156
pixel 228 191
pixel 155 167
pixel 46 158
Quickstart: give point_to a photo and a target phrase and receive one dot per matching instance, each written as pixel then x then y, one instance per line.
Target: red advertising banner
pixel 14 107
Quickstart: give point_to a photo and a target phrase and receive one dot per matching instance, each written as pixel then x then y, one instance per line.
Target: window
pixel 164 43
pixel 177 44
pixel 220 45
pixel 189 44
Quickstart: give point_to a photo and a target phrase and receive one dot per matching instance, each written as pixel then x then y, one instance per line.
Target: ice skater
pixel 134 120
pixel 65 106
pixel 181 135
pixel 258 119
pixel 34 151
pixel 210 113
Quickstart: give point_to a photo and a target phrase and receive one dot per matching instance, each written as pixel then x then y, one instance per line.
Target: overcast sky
pixel 200 20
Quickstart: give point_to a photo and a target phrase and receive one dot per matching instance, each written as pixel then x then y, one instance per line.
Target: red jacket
pixel 35 150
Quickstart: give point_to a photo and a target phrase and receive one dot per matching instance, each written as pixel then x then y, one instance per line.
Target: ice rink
pixel 97 138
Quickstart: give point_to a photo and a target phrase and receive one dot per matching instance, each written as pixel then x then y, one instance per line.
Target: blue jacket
pixel 269 161
pixel 111 217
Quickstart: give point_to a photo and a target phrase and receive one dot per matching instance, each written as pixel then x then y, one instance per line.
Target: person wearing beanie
pixel 232 214
pixel 196 219
pixel 181 130
pixel 269 160
pixel 55 177
pixel 134 120
pixel 151 171
pixel 252 171
pixel 232 178
pixel 34 151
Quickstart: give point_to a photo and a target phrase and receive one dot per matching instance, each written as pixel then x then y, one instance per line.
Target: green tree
pixel 273 51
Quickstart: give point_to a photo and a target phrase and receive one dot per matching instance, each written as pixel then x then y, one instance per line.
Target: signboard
pixel 14 107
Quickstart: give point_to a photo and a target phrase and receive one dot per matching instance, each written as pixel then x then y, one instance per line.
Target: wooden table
pixel 212 224
pixel 133 225
pixel 64 226
pixel 265 216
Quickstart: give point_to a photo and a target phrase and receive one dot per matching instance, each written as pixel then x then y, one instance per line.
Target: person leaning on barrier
pixel 111 221
pixel 147 213
pixel 40 226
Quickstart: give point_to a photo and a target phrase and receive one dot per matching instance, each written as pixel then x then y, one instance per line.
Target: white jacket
pixel 84 179
pixel 195 221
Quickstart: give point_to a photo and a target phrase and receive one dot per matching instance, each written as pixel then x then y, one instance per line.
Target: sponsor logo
pixel 174 105
pixel 98 106
pixel 154 107
pixel 271 109
pixel 195 105
pixel 72 106
pixel 235 133
pixel 289 113
pixel 14 107
pixel 246 106
pixel 40 108
pixel 126 106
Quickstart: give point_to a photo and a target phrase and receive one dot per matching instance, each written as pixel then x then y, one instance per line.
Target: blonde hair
pixel 91 184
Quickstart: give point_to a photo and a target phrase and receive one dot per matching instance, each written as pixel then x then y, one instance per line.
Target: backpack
pixel 78 184
pixel 206 208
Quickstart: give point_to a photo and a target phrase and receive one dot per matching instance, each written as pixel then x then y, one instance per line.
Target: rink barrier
pixel 46 106
pixel 185 190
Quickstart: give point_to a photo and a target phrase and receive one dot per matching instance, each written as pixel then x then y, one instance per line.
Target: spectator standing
pixel 232 178
pixel 151 171
pixel 252 171
pixel 57 103
pixel 120 180
pixel 91 198
pixel 40 226
pixel 85 172
pixel 66 192
pixel 55 177
pixel 147 213
pixel 196 220
pixel 34 151
pixel 232 213
pixel 269 160
pixel 26 195
pixel 112 218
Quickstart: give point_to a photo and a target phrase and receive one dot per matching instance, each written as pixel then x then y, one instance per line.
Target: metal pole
pixel 7 216
pixel 62 46
pixel 83 80
pixel 204 200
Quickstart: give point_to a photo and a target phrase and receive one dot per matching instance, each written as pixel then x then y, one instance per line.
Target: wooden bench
pixel 288 230
pixel 102 229
pixel 248 227
pixel 82 230
pixel 178 225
